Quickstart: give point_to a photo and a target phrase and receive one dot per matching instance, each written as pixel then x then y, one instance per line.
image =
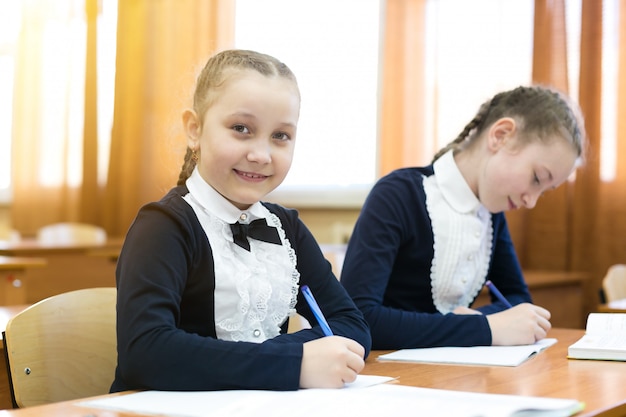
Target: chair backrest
pixel 67 233
pixel 614 283
pixel 63 347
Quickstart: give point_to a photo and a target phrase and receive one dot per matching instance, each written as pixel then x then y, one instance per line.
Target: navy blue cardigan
pixel 165 308
pixel 387 268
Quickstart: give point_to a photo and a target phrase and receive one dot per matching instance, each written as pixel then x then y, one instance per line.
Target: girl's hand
pixel 523 324
pixel 330 362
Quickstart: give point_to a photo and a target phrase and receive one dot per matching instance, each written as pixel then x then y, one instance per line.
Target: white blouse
pixel 256 290
pixel 463 236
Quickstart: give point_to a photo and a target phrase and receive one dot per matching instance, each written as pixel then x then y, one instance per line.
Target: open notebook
pixel 373 401
pixel 475 355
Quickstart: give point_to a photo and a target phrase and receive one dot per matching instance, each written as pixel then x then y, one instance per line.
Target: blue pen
pixel 497 293
pixel 308 296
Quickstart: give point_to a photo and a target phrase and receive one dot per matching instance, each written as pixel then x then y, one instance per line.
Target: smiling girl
pixel 209 275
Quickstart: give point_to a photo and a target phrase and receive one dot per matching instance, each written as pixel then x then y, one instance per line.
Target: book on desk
pixel 604 339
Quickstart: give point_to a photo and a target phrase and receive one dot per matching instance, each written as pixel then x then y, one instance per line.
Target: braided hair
pixel 214 75
pixel 541 112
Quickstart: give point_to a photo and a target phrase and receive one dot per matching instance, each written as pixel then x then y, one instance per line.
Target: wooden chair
pixel 70 232
pixel 63 347
pixel 614 283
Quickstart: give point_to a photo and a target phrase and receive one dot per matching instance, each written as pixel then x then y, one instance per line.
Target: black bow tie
pixel 257 229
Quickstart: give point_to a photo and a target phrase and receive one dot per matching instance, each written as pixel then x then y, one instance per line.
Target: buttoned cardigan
pixel 387 269
pixel 165 308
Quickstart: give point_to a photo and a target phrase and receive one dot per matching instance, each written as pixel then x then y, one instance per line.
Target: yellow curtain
pixel 402 92
pixel 601 226
pixel 161 47
pixel 48 108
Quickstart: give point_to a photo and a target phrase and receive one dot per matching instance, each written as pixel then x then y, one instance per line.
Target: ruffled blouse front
pixel 256 290
pixel 463 235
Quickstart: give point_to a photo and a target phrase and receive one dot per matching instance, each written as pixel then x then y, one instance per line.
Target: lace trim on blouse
pixel 256 291
pixel 462 250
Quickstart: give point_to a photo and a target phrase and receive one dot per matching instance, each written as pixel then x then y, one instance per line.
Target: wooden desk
pixel 550 374
pixel 617 306
pixel 562 293
pixel 601 385
pixel 68 267
pixel 13 281
pixel 6 312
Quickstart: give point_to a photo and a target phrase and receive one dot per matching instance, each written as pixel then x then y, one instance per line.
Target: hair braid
pixel 542 114
pixel 188 165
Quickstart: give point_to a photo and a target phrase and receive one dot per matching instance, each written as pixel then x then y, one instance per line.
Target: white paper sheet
pixel 475 355
pixel 373 401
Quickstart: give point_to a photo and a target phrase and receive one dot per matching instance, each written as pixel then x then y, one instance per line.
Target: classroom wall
pixel 330 225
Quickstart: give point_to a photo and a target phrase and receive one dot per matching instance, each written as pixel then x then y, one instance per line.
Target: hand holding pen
pixel 523 324
pixel 331 361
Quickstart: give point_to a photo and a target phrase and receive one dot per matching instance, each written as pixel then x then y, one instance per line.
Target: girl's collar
pixel 453 186
pixel 207 197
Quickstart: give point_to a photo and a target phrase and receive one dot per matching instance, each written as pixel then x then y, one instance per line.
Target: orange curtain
pixel 601 225
pixel 91 197
pixel 161 46
pixel 54 121
pixel 403 142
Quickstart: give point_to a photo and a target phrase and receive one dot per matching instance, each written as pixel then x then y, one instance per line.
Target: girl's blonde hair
pixel 542 113
pixel 213 76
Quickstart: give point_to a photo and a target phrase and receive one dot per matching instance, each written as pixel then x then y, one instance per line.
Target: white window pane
pixel 107 37
pixel 475 49
pixel 332 47
pixel 610 65
pixel 6 96
pixel 9 28
pixel 62 94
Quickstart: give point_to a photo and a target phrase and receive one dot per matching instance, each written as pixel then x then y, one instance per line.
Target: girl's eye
pixel 282 136
pixel 240 129
pixel 536 178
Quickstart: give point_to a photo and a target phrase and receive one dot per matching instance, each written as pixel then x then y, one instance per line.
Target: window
pixel 337 64
pixel 610 65
pixel 474 49
pixel 332 47
pixel 9 26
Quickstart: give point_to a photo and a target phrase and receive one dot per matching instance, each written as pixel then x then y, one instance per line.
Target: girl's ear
pixel 193 128
pixel 501 132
